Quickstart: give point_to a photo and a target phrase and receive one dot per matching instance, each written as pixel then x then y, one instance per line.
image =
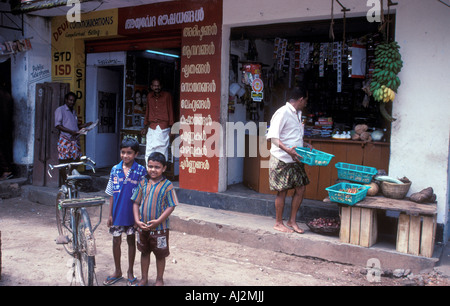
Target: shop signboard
pixel 200 86
pixel 68 53
pixel 257 90
pixel 200 24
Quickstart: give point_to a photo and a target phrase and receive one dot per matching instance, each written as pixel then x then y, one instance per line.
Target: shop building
pixel 205 52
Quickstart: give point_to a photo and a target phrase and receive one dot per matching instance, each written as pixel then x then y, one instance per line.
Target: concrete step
pixel 11 188
pixel 257 231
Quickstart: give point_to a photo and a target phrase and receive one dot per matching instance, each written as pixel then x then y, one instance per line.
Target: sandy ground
pixel 31 257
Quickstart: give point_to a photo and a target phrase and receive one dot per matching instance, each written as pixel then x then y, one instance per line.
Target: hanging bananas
pixel 388 63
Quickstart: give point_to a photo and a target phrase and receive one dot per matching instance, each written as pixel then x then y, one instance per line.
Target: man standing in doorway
pixel 285 169
pixel 158 120
pixel 66 121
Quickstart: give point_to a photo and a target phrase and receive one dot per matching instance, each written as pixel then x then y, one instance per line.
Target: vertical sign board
pixel 68 54
pixel 200 22
pixel 200 99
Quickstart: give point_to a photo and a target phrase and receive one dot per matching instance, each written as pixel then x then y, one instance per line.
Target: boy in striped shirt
pixel 154 201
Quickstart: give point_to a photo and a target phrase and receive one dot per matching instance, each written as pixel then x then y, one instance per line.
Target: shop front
pixel 336 75
pixel 329 47
pixel 176 42
pixel 229 64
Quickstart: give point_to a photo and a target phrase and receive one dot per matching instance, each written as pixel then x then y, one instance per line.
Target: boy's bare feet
pixel 159 282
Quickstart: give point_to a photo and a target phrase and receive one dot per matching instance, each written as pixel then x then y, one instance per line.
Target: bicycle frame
pixel 72 215
pixel 72 193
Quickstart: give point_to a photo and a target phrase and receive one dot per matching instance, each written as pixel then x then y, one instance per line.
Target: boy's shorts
pixel 117 230
pixel 153 241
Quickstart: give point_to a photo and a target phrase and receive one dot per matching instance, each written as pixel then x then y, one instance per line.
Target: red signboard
pixel 200 23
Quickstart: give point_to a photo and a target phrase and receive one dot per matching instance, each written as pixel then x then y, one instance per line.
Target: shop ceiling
pixel 313 31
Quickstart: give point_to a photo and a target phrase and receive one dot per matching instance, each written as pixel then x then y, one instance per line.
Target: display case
pixel 372 154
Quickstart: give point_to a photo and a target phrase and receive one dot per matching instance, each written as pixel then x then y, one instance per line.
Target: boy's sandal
pixel 111 280
pixel 132 282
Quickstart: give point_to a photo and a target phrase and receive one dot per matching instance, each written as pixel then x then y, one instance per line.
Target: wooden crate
pixel 416 234
pixel 358 226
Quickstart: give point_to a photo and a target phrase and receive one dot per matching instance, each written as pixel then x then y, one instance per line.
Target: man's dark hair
pixel 297 93
pixel 70 93
pixel 130 142
pixel 158 157
pixel 155 79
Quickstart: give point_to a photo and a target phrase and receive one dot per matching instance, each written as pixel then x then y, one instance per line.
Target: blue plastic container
pixel 355 173
pixel 314 157
pixel 338 193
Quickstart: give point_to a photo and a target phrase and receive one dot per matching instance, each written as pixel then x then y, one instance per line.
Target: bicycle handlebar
pixel 84 160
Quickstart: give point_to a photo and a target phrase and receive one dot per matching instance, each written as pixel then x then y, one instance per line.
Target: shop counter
pixel 372 154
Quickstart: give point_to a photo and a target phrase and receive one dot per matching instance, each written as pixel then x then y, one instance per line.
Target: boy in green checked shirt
pixel 154 201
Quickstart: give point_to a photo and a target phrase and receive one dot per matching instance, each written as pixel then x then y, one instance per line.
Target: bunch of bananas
pixel 388 63
pixel 384 94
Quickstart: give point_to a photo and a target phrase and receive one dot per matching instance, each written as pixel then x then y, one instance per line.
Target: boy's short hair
pixel 130 142
pixel 158 157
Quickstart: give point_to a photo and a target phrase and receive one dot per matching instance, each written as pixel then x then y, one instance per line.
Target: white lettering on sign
pixel 164 20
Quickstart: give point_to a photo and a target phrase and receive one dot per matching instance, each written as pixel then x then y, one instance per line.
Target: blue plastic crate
pixel 338 193
pixel 314 157
pixel 355 173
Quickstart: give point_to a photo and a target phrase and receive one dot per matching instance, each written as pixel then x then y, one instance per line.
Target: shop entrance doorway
pixel 141 68
pixel 104 96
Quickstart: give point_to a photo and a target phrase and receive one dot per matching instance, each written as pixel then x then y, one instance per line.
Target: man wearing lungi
pixel 66 121
pixel 285 170
pixel 158 120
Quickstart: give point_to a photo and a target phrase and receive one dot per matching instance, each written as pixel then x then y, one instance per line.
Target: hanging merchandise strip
pixel 332 21
pixel 15 46
pixel 337 63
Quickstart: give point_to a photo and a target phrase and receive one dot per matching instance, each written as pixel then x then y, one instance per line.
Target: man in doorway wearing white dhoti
pixel 158 120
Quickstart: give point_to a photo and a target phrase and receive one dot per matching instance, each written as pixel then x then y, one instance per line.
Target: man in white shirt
pixel 285 169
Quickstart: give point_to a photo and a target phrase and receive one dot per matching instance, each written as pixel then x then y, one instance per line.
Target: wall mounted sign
pixel 199 23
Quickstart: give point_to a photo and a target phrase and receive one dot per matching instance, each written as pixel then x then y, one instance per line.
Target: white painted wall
pixel 27 69
pixel 420 136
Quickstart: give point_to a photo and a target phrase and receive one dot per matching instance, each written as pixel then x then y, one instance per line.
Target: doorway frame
pixel 94 61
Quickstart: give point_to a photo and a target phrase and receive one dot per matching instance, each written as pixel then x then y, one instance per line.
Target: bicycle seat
pixel 76 176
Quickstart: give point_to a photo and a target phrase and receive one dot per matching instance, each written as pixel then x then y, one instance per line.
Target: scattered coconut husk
pixel 365 136
pixel 425 196
pixel 361 128
pixel 404 180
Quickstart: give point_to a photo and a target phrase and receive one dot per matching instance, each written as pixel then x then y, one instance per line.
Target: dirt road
pixel 31 257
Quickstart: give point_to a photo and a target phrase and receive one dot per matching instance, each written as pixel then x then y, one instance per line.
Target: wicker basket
pixel 395 191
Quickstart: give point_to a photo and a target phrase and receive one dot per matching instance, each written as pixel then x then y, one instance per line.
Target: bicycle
pixel 76 233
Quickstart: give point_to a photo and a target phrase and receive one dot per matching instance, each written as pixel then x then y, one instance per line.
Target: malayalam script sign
pixel 200 24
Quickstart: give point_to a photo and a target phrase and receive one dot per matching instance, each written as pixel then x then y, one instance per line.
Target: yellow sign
pixel 68 54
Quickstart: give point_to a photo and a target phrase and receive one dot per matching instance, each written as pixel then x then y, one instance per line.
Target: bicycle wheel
pixel 63 222
pixel 86 249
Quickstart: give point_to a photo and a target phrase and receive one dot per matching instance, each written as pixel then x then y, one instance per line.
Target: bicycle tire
pixel 63 222
pixel 86 247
